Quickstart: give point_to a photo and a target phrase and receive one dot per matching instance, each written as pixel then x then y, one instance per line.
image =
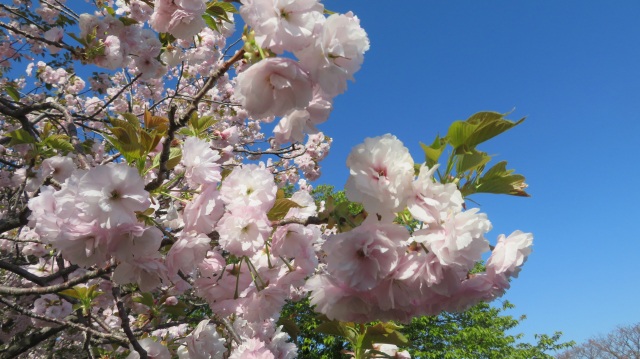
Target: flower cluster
pixel 381 271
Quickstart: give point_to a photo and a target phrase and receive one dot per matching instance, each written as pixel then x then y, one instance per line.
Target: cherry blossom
pixel 283 25
pixel 273 87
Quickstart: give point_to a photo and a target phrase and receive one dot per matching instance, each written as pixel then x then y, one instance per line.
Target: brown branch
pixel 60 44
pixel 20 113
pixel 57 287
pixel 24 343
pixel 23 273
pixel 15 13
pixel 280 153
pixel 304 222
pixel 191 109
pixel 229 327
pixel 124 317
pixel 15 220
pixel 61 273
pixel 29 313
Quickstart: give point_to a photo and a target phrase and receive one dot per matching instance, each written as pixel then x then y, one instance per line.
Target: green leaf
pixel 471 161
pixel 131 118
pixel 280 208
pixel 13 93
pixel 59 142
pixel 464 136
pixel 20 136
pixel 211 23
pixel 158 123
pixel 501 181
pixel 218 12
pixel 93 293
pixel 129 150
pixel 490 124
pixel 226 7
pixel 177 310
pixel 71 292
pixel 127 21
pixel 289 326
pixel 201 124
pixel 145 299
pixel 175 155
pixel 383 333
pixel 485 116
pixel 333 327
pixel 459 132
pixel 434 151
pixel 188 131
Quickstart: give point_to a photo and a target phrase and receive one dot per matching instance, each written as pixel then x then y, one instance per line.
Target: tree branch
pixel 55 288
pixel 59 44
pixel 13 220
pixel 124 316
pixel 23 344
pixel 114 338
pixel 23 273
pixel 191 109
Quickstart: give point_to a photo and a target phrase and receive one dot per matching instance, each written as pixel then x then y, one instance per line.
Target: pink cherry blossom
pixel 381 173
pixel 252 348
pixel 186 253
pixel 244 231
pixel 203 212
pixel 282 25
pixel 182 19
pixel 510 254
pixel 154 350
pixel 200 162
pixel 336 54
pixel 365 255
pixel 273 87
pixel 112 193
pixel 431 200
pixel 249 185
pixel 204 342
pixel 459 240
pixel 54 34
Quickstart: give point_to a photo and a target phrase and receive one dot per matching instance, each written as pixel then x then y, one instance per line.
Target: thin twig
pixel 114 97
pixel 59 44
pixel 229 327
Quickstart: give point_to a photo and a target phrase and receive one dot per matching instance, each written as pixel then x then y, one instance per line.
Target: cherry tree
pixel 146 213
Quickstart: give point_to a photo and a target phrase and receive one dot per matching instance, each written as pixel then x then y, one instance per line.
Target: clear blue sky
pixel 571 67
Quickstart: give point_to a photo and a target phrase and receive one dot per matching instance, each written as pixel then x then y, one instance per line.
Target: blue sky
pixel 572 68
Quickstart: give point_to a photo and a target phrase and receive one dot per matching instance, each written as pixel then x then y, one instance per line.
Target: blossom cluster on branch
pixel 145 213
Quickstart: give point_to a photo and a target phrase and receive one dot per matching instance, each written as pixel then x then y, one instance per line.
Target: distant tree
pixel 622 343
